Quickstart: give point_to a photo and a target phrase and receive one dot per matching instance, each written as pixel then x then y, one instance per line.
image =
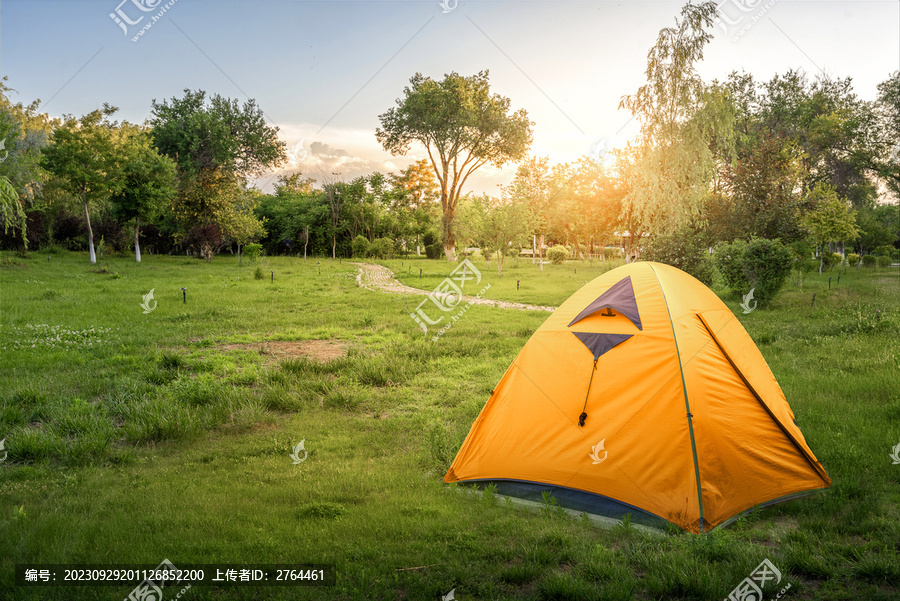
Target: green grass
pixel 135 437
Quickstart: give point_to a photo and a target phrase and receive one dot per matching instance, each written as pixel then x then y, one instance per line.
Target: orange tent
pixel 643 395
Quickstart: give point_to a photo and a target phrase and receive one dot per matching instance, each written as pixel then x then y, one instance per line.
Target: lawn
pixel 134 437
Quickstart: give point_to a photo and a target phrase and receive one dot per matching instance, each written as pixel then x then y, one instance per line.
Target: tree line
pixel 799 160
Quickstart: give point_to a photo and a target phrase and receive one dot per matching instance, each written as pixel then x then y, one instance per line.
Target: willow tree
pixel 462 127
pixel 685 127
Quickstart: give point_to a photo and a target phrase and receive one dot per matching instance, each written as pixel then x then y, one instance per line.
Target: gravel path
pixel 381 279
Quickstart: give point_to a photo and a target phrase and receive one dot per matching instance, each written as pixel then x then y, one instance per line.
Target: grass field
pixel 134 437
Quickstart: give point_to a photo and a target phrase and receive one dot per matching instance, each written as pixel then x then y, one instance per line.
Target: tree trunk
pixel 305 242
pixel 87 216
pixel 449 240
pixel 137 242
pixel 500 263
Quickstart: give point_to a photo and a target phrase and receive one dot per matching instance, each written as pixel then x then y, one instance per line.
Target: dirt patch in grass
pixel 281 350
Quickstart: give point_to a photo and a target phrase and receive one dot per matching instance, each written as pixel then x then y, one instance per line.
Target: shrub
pixel 360 246
pixel 486 252
pixel 895 256
pixel 852 258
pixel 883 261
pixel 258 274
pixel 253 251
pixel 805 265
pixel 830 259
pixel 767 264
pixel 685 250
pixel 884 250
pixel 512 252
pixel 434 251
pixel 761 265
pixel 868 260
pixel 429 239
pixel 383 248
pixel 728 260
pixel 557 254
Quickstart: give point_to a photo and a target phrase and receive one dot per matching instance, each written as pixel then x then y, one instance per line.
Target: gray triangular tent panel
pixel 619 297
pixel 600 343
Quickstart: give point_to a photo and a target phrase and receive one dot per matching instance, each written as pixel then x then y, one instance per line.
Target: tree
pixel 218 145
pixel 831 220
pixel 685 127
pixel 81 155
pixel 11 210
pixel 496 224
pixel 462 127
pixel 148 180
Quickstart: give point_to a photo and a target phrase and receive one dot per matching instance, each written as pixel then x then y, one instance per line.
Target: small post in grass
pixel 319 263
pixel 273 277
pixel 517 284
pixel 812 304
pixel 839 277
pixel 420 272
pixel 829 282
pixel 184 295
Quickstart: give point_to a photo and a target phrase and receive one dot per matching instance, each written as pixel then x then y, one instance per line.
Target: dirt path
pixel 381 279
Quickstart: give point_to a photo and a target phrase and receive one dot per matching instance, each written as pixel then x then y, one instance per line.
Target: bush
pixel 868 260
pixel 258 274
pixel 253 251
pixel 360 247
pixel 761 265
pixel 805 265
pixel 486 252
pixel 383 248
pixel 884 251
pixel 512 252
pixel 434 251
pixel 557 254
pixel 767 264
pixel 895 256
pixel 684 249
pixel 729 262
pixel 852 259
pixel 883 261
pixel 830 259
pixel 429 239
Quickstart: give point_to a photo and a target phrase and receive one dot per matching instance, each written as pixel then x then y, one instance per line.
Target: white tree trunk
pixel 137 242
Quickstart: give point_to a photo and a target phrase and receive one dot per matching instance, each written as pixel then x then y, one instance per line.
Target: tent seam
pixel 687 403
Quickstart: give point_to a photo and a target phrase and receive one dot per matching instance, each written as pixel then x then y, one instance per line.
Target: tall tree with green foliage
pixel 462 127
pixel 685 125
pixel 831 220
pixel 82 155
pixel 218 145
pixel 148 180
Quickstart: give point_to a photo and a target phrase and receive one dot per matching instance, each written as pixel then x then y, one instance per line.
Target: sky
pixel 322 72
